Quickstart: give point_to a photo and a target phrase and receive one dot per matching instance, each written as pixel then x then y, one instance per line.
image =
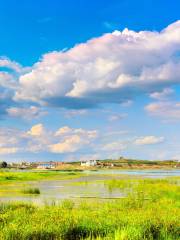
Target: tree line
pixel 3 164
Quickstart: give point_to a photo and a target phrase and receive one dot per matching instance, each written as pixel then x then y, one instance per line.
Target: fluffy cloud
pixel 68 131
pixel 67 140
pixel 168 110
pixel 112 68
pixel 63 130
pixel 10 72
pixel 114 146
pixel 148 140
pixel 163 94
pixel 7 63
pixel 36 130
pixel 70 144
pixel 63 140
pixel 40 139
pixel 27 113
pixel 9 150
pixel 71 139
pixel 10 140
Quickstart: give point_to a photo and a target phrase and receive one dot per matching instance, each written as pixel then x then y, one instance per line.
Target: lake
pixel 90 185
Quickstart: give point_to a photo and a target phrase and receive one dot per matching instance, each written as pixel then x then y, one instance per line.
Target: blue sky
pixel 89 79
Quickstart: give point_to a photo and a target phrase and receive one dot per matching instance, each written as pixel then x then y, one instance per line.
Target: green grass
pixel 31 191
pixel 136 161
pixel 150 189
pixel 8 176
pixel 149 211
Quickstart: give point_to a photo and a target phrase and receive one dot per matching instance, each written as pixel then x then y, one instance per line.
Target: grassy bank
pixel 8 176
pixel 150 211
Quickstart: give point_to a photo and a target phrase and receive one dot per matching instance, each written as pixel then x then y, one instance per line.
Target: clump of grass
pixel 31 191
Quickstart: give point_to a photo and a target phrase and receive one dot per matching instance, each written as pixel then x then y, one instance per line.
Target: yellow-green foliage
pixel 149 189
pixel 150 211
pixel 8 176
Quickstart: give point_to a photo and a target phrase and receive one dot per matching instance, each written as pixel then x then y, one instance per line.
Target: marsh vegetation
pixel 31 191
pixel 150 210
pixel 9 176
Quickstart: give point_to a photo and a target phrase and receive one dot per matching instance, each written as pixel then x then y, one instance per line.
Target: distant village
pixel 92 164
pixel 56 165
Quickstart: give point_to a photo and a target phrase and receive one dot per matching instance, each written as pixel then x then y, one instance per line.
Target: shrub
pixel 31 191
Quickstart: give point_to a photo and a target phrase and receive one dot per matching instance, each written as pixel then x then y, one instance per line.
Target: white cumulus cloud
pixel 27 113
pixel 163 95
pixel 167 110
pixel 112 68
pixel 40 139
pixel 147 140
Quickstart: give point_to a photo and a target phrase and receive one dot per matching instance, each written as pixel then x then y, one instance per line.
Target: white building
pixel 89 163
pixel 46 165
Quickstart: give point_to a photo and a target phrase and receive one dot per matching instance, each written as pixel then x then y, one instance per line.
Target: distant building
pixel 89 163
pixel 46 165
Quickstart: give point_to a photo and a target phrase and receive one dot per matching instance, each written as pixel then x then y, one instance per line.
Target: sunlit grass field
pixel 150 210
pixel 10 176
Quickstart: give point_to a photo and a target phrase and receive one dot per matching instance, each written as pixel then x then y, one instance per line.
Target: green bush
pixel 31 191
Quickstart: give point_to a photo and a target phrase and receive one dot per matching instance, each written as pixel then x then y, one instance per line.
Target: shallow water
pixel 58 190
pixel 89 186
pixel 153 173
